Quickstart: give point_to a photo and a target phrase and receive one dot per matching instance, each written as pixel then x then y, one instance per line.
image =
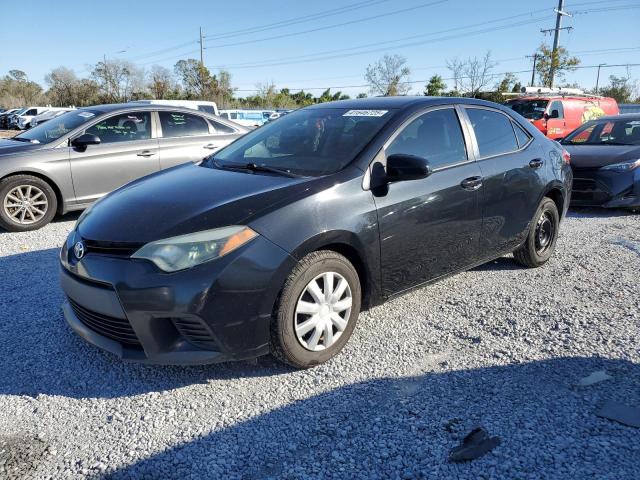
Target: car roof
pixel 622 116
pixel 113 107
pixel 401 102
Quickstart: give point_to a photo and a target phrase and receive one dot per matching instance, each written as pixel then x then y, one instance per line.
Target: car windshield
pixel 606 132
pixel 309 142
pixel 57 127
pixel 530 109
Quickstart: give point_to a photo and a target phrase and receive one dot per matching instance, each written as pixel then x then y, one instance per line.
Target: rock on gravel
pixel 499 346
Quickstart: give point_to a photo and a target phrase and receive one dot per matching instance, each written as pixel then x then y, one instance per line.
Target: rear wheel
pixel 26 203
pixel 543 234
pixel 317 310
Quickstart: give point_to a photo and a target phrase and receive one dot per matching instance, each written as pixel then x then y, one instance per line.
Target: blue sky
pixel 42 35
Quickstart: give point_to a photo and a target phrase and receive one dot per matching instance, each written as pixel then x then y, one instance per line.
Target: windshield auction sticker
pixel 365 113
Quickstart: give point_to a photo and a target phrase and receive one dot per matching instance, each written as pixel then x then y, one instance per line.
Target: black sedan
pixel 277 242
pixel 605 158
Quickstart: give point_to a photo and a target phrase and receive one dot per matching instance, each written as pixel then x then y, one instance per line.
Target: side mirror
pixel 402 167
pixel 84 140
pixel 555 114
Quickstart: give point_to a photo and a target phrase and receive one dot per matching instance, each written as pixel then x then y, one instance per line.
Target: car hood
pixel 12 146
pixel 184 199
pixel 594 156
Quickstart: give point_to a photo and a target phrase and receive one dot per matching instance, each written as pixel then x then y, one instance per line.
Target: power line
pixel 296 20
pixel 335 25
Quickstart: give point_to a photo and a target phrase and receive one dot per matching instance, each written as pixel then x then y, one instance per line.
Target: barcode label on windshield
pixel 365 113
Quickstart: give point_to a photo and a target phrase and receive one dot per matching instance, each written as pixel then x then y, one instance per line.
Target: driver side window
pixel 435 136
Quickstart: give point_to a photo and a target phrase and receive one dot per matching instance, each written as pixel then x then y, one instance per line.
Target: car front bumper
pixel 217 311
pixel 605 188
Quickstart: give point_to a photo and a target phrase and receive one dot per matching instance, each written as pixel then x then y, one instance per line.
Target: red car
pixel 558 115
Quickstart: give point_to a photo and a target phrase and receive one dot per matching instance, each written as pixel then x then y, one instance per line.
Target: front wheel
pixel 542 237
pixel 26 203
pixel 317 310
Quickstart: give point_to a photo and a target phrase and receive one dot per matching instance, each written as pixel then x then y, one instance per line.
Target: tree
pixel 196 79
pixel 561 61
pixel 389 76
pixel 455 66
pixel 328 97
pixel 118 80
pixel 435 87
pixel 17 90
pixel 476 74
pixel 361 95
pixel 161 82
pixel 63 85
pixel 620 88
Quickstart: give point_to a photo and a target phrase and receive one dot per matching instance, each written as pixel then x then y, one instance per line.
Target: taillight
pixel 566 157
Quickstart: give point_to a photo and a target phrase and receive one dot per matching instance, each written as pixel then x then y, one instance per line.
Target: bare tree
pixel 118 80
pixel 161 82
pixel 477 74
pixel 389 76
pixel 62 87
pixel 456 67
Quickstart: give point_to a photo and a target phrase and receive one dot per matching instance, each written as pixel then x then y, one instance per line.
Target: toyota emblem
pixel 78 250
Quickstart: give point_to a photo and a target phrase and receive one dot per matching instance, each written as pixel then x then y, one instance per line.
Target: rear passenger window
pixel 221 128
pixel 178 124
pixel 207 108
pixel 522 136
pixel 493 130
pixel 436 136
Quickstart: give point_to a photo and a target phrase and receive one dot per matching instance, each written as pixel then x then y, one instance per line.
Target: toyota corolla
pixel 276 243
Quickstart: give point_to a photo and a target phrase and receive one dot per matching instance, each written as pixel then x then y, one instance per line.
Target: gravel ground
pixel 8 133
pixel 499 347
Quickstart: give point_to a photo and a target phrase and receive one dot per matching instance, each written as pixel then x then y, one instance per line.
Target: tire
pixel 535 252
pixel 38 212
pixel 296 347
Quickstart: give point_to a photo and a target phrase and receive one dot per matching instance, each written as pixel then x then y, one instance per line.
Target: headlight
pixel 623 167
pixel 186 251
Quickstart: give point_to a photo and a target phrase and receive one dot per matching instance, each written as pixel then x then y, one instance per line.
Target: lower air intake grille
pixel 118 329
pixel 195 332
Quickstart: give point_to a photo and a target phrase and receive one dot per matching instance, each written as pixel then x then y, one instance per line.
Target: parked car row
pixel 73 159
pixel 22 118
pixel 252 118
pixel 275 242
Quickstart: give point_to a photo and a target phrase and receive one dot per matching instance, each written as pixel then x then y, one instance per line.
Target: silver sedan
pixel 70 161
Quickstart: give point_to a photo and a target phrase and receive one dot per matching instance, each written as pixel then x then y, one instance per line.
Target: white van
pixel 248 118
pixel 202 105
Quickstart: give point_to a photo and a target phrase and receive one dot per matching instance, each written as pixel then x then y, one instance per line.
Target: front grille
pixel 110 248
pixel 587 190
pixel 118 329
pixel 196 332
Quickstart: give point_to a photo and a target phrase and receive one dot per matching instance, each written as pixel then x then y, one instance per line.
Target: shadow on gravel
pixel 499 264
pixel 406 427
pixel 41 355
pixel 69 217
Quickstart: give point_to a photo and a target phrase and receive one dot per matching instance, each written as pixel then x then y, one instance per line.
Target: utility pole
pixel 201 70
pixel 533 70
pixel 556 38
pixel 201 49
pixel 598 77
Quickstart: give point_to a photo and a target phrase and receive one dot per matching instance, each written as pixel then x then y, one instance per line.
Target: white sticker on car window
pixel 86 114
pixel 365 113
pixel 539 109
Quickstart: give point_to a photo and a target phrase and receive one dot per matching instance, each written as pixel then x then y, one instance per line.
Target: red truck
pixel 557 112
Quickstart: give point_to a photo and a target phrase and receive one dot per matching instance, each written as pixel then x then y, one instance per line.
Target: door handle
pixel 146 153
pixel 471 183
pixel 536 163
pixel 211 146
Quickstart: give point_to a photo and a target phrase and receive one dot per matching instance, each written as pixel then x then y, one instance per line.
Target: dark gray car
pixel 605 159
pixel 71 161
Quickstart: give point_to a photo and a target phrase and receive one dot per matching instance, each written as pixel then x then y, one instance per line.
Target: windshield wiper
pixel 18 139
pixel 254 167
